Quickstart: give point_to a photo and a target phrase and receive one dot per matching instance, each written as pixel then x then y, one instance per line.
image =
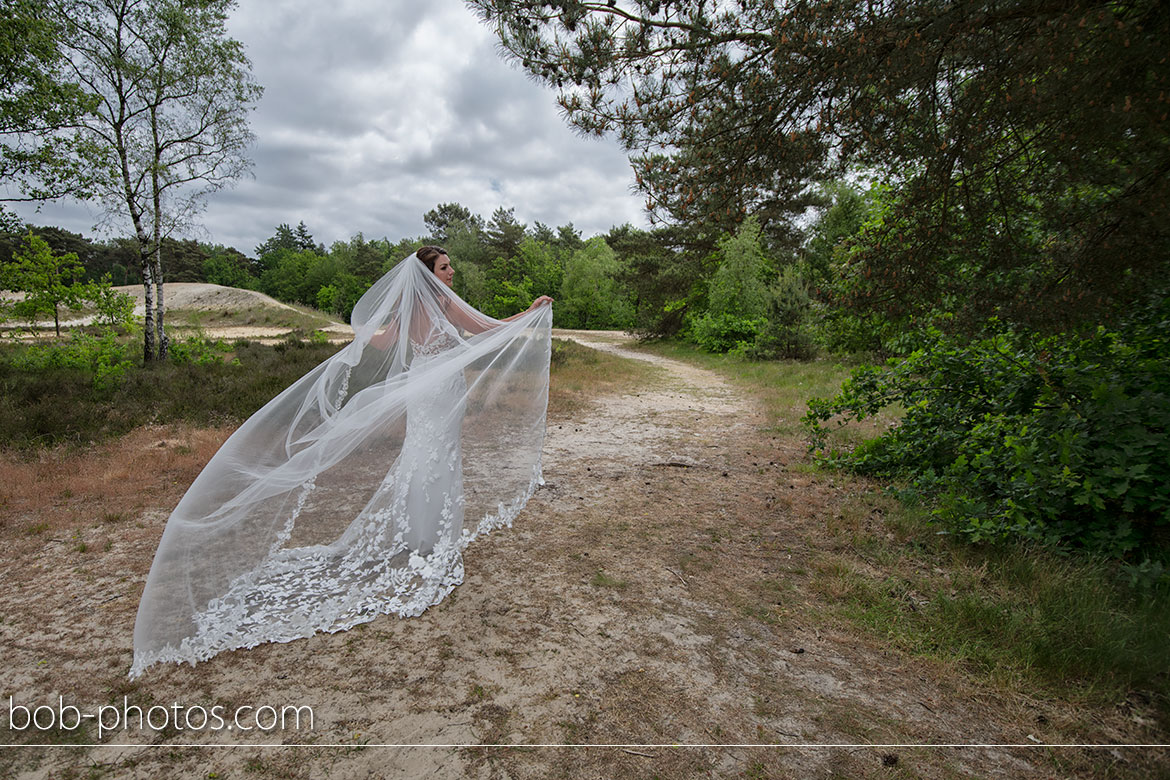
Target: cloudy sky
pixel 374 112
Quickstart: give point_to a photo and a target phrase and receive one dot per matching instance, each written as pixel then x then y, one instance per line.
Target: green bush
pixel 725 332
pixel 103 357
pixel 1059 439
pixel 787 331
pixel 113 310
pixel 198 350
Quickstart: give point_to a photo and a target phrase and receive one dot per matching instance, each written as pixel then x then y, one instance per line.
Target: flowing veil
pixel 354 492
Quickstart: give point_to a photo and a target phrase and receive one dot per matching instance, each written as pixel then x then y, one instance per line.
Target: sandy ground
pixel 204 297
pixel 654 596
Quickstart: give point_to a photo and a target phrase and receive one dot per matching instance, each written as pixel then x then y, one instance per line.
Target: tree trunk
pixel 160 307
pixel 156 250
pixel 148 351
pixel 148 331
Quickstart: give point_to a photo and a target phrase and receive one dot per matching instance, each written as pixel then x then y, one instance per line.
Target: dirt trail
pixel 654 592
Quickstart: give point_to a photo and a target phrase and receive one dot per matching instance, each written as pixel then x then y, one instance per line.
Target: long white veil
pixel 354 492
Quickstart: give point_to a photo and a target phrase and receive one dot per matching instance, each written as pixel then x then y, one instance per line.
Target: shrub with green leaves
pixel 737 294
pixel 198 350
pixel 48 280
pixel 1059 439
pixel 725 332
pixel 113 310
pixel 103 357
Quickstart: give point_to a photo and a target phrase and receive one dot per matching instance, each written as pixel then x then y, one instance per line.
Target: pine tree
pixel 1024 141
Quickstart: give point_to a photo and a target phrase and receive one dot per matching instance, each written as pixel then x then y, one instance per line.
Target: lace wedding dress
pixel 346 496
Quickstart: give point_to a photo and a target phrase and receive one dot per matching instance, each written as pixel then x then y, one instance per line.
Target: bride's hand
pixel 540 302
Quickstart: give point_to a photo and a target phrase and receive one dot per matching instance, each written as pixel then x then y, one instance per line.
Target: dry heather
pixel 663 588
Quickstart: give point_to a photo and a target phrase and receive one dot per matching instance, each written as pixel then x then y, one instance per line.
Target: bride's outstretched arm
pixel 470 323
pixel 535 304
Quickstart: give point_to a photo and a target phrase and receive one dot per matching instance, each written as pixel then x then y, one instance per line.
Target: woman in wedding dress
pixel 354 492
pixel 428 501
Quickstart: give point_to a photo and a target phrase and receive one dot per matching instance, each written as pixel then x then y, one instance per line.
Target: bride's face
pixel 443 270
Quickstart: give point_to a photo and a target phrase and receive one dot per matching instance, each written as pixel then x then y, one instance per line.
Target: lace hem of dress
pixel 424 581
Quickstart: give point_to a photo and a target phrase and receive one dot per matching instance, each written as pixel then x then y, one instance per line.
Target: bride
pixel 354 492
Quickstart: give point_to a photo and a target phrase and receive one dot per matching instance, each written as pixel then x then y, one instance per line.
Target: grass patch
pixel 300 318
pixel 603 580
pixel 1016 614
pixel 580 373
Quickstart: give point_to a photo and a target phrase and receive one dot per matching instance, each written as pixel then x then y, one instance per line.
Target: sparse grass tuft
pixel 603 580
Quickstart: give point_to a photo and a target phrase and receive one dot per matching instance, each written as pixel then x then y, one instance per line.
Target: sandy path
pixel 650 594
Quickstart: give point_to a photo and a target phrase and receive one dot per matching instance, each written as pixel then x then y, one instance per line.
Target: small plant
pixel 603 580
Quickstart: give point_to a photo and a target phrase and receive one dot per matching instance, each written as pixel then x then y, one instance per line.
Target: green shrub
pixel 198 350
pixel 103 357
pixel 787 331
pixel 113 310
pixel 1059 439
pixel 725 332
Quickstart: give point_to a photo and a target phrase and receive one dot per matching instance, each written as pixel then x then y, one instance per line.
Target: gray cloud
pixel 375 112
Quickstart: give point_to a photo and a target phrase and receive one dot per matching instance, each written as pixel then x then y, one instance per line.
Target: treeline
pixel 741 291
pixel 501 265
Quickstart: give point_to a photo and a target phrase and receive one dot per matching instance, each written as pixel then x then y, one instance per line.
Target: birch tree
pixel 173 93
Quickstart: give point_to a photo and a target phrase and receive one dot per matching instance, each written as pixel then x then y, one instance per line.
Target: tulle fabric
pixel 354 492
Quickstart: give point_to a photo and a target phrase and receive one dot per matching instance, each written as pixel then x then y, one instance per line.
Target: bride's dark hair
pixel 429 254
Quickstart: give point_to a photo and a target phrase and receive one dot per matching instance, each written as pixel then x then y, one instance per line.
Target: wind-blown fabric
pixel 354 492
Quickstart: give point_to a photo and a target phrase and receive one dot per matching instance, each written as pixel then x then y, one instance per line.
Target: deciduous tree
pixel 173 92
pixel 48 281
